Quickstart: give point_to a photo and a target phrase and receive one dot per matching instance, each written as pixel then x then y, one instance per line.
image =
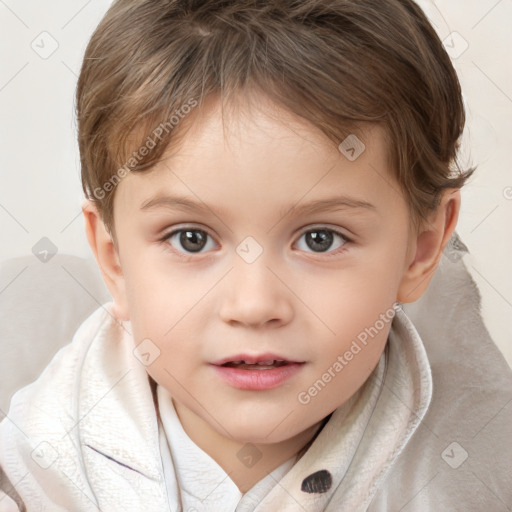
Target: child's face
pixel 210 296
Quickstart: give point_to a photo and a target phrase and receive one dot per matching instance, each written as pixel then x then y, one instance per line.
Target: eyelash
pixel 189 255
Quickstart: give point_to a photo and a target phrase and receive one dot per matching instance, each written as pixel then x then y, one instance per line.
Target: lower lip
pixel 257 380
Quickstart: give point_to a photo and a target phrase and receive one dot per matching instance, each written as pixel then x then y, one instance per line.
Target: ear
pixel 427 247
pixel 107 257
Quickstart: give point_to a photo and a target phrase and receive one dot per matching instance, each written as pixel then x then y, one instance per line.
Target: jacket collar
pixel 116 408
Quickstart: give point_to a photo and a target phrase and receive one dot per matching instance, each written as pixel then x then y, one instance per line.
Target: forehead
pixel 262 154
pixel 254 122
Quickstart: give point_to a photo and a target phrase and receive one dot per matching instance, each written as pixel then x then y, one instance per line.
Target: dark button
pixel 320 481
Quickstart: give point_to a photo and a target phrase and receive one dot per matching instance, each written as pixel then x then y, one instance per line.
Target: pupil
pixel 193 241
pixel 319 241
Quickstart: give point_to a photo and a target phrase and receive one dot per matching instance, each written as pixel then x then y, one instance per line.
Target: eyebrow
pixel 329 204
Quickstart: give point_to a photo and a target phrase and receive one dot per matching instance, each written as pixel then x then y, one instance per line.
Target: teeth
pixel 270 362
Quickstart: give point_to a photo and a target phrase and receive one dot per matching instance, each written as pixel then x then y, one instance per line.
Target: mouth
pixel 259 372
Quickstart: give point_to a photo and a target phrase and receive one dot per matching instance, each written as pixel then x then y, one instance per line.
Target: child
pixel 308 149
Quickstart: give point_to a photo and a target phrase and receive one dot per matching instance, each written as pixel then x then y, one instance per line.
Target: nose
pixel 255 297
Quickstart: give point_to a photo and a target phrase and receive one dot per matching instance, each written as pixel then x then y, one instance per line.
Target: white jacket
pixel 419 436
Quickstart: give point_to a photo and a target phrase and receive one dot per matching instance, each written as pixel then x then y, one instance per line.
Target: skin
pixel 197 307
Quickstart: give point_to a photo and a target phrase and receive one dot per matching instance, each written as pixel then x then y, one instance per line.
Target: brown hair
pixel 334 63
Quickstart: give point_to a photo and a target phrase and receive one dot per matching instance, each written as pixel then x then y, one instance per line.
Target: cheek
pixel 356 309
pixel 354 299
pixel 347 358
pixel 158 295
pixel 165 307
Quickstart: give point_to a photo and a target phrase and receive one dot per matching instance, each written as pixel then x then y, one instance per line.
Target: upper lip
pixel 252 359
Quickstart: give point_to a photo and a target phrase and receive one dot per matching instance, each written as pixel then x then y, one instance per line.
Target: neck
pixel 225 451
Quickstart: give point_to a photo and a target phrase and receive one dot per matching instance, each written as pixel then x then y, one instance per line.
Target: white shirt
pixel 196 480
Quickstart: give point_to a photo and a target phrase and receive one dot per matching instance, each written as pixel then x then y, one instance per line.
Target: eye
pixel 190 240
pixel 321 240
